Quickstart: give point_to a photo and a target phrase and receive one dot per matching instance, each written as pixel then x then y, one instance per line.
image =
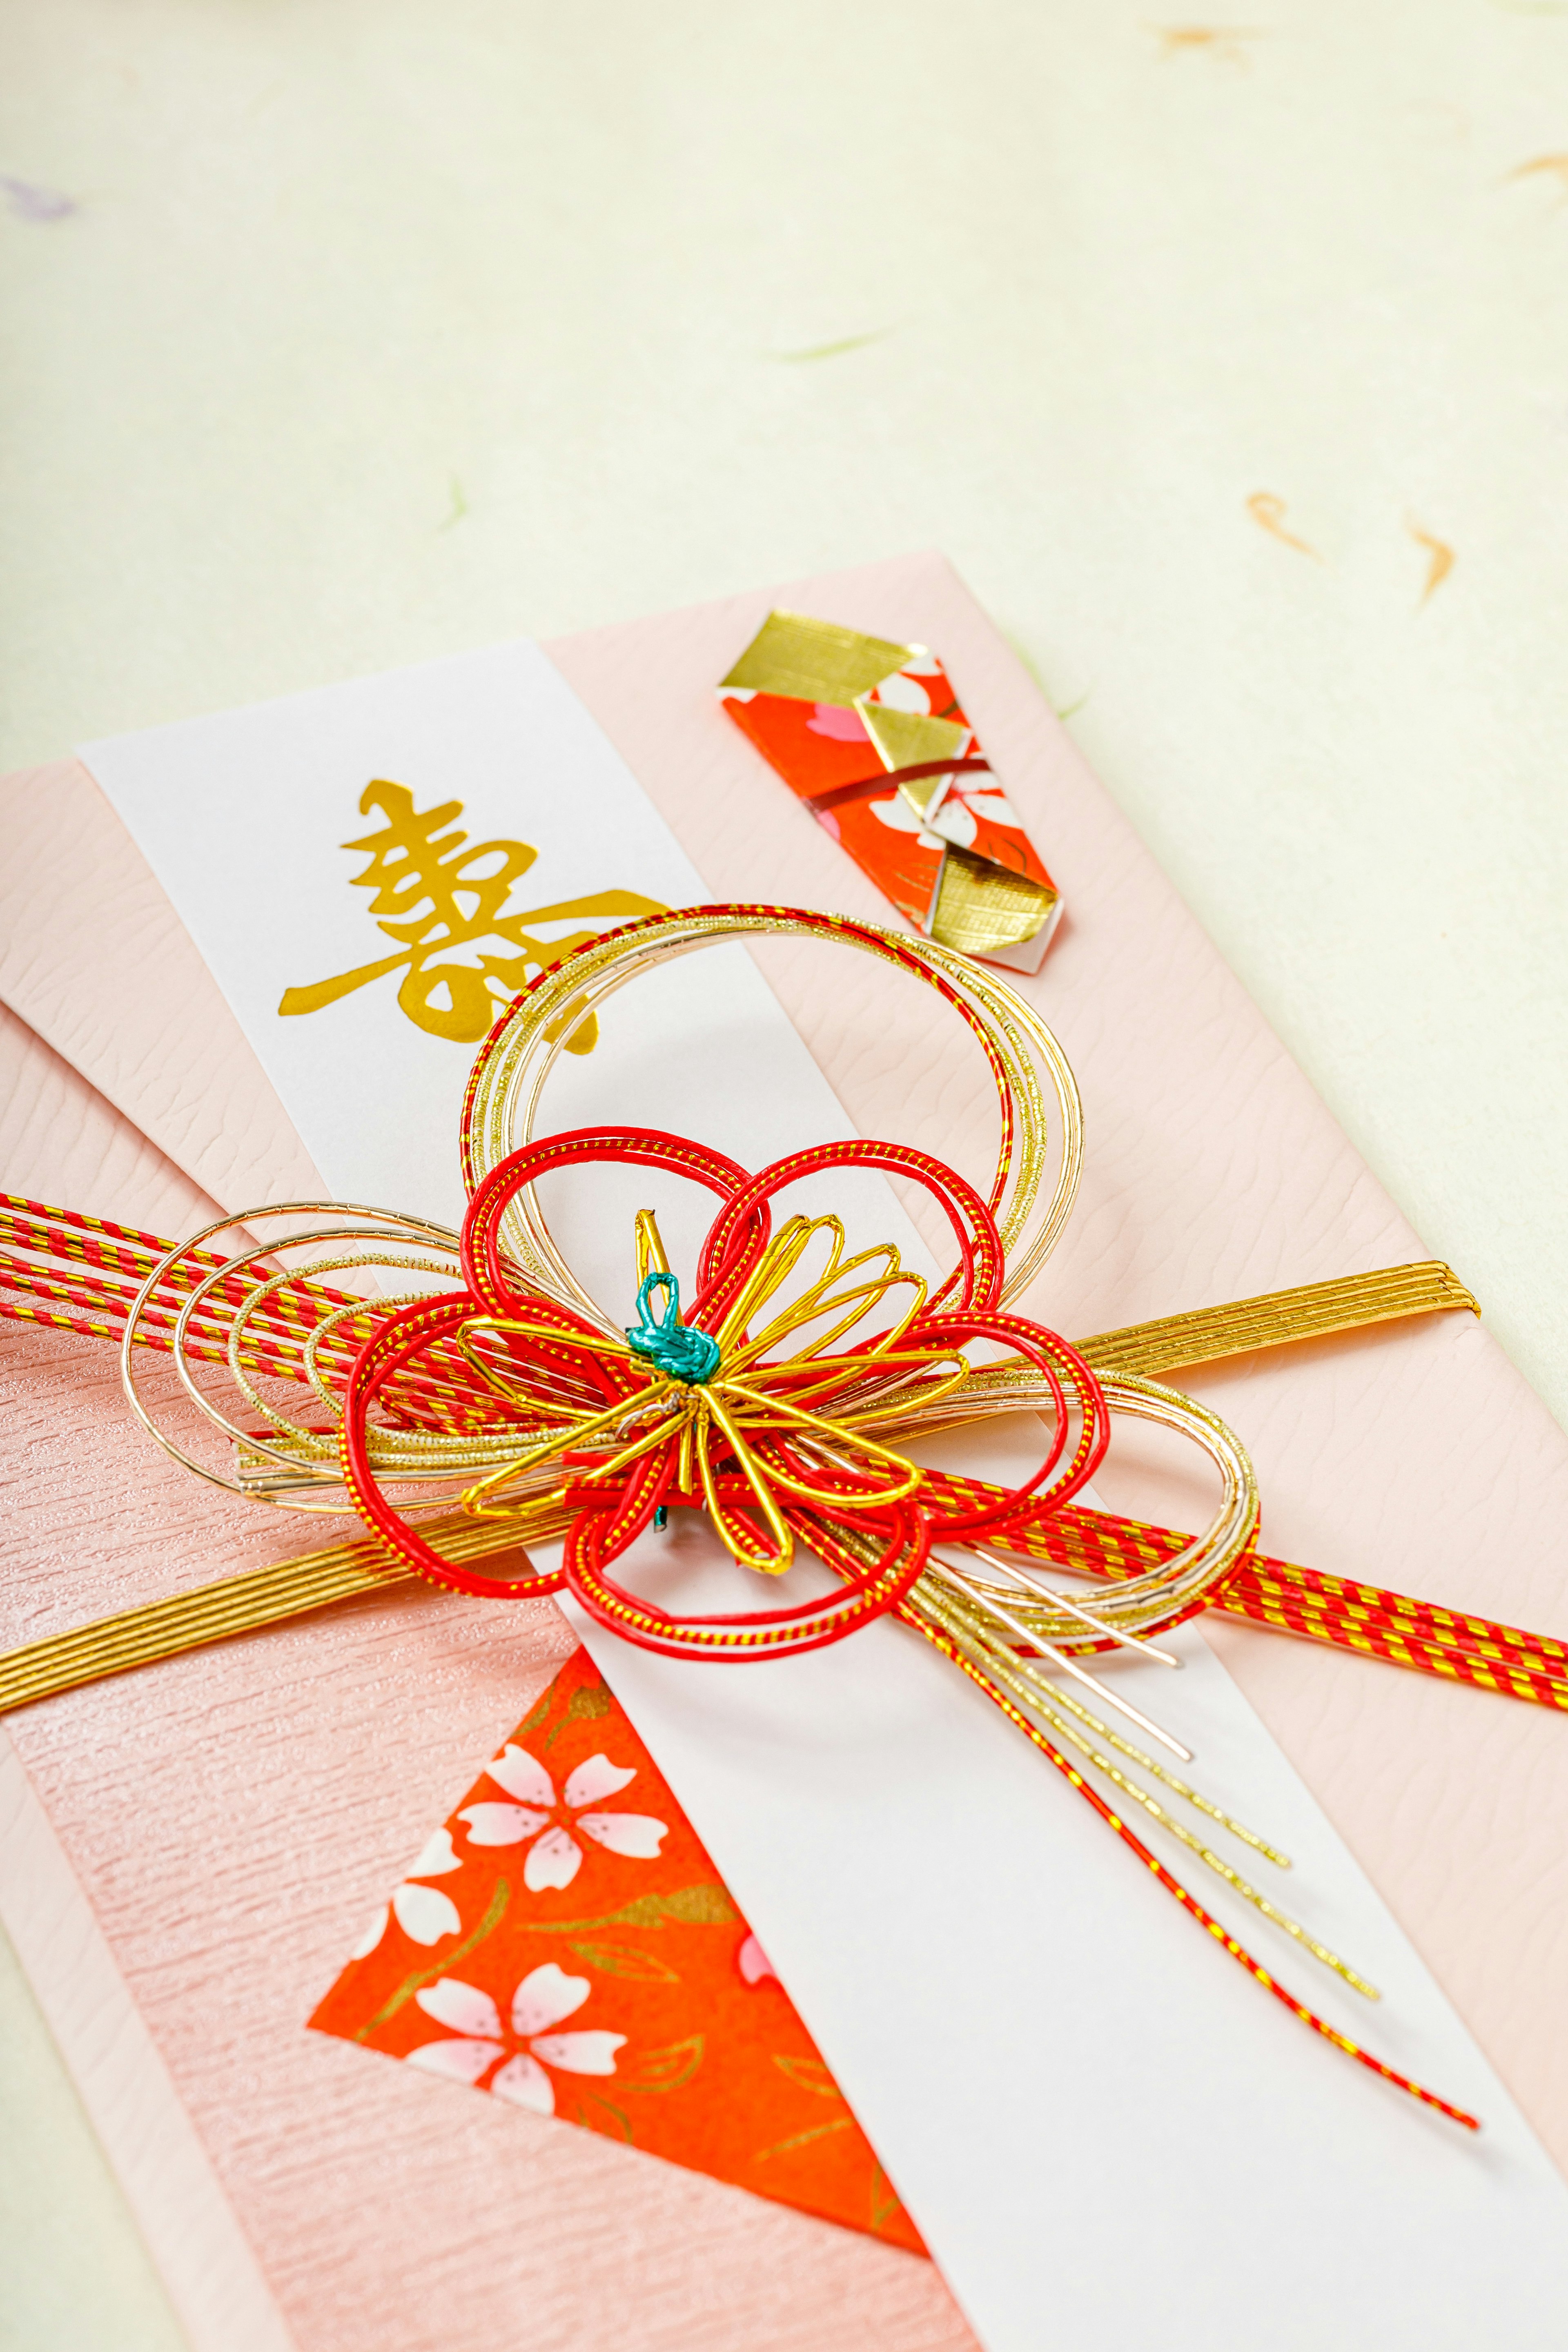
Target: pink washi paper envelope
pixel 183 1829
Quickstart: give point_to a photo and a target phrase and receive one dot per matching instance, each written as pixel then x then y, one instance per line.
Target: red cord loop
pixel 609 1440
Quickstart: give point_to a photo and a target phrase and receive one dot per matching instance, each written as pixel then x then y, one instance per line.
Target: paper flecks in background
pixel 1440 557
pixel 25 200
pixel 1226 42
pixel 1063 710
pixel 832 350
pixel 1269 512
pixel 1553 167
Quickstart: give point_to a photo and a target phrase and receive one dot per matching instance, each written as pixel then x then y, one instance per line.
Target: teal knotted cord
pixel 677 1347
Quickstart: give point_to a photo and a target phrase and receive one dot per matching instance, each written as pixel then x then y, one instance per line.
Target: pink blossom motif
pixel 840 726
pixel 956 817
pixel 425 1914
pixel 753 1962
pixel 954 821
pixel 898 816
pixel 901 692
pixel 527 2047
pixel 555 1857
pixel 992 805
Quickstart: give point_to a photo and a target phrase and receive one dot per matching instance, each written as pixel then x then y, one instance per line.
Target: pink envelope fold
pixel 218 1826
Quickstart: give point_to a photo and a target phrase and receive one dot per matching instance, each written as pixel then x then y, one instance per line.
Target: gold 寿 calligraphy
pixel 463 954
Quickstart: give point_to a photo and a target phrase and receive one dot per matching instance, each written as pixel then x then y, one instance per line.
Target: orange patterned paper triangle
pixel 566 1944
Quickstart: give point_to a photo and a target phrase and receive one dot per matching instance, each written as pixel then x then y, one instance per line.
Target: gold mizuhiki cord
pixel 1277 1317
pixel 315 1580
pixel 502 1410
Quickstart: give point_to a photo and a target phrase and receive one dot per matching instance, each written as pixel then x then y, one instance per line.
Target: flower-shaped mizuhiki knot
pixel 677 1347
pixel 783 1406
pixel 769 1407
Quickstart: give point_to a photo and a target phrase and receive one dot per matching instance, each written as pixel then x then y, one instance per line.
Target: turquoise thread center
pixel 678 1348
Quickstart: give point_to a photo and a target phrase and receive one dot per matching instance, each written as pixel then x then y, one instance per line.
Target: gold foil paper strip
pixel 988 894
pixel 814 661
pixel 980 909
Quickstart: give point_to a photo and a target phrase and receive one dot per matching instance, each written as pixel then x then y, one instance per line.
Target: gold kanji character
pixel 435 896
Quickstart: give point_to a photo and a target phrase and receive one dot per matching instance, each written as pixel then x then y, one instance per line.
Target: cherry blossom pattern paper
pixel 564 1944
pixel 863 732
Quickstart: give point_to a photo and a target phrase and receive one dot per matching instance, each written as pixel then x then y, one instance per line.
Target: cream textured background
pixel 377 328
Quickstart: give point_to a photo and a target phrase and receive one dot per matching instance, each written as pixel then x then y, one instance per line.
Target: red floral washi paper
pixel 564 1944
pixel 896 774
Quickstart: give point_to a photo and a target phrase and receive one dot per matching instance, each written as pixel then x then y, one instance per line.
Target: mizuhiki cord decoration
pixel 491 1404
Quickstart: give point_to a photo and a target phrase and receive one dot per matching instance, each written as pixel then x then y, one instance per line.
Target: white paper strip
pixel 1105 2131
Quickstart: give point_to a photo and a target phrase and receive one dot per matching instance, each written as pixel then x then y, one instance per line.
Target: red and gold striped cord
pixel 1172 1884
pixel 103 1265
pixel 1364 1618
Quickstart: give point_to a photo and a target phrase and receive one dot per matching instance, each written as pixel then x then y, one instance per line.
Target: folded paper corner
pixel 871 736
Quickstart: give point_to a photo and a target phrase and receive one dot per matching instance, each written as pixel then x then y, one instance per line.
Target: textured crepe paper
pixel 568 1895
pixel 1215 1172
pixel 100 1506
pixel 831 709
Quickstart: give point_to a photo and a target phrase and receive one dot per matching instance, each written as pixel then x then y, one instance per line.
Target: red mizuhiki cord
pixel 410 1368
pixel 887 945
pixel 607 1525
pixel 1172 1884
pixel 608 1522
pixel 611 1519
pixel 1366 1619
